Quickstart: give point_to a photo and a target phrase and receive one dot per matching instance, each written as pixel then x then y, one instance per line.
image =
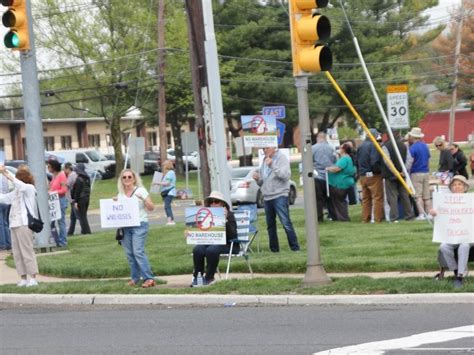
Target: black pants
pixel 321 197
pixel 338 207
pixel 72 221
pixel 211 254
pixel 81 214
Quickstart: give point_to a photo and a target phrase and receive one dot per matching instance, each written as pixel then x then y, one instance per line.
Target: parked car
pixel 150 163
pixel 244 189
pixel 91 158
pixel 192 158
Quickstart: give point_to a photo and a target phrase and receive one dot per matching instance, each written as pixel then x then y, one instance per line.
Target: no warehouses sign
pixel 397 106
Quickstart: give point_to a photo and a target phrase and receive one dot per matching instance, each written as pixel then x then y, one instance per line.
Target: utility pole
pixel 214 117
pixel 34 130
pixel 199 80
pixel 457 57
pixel 315 273
pixel 161 81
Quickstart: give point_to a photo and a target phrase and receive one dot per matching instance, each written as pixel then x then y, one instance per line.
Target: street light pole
pixel 315 273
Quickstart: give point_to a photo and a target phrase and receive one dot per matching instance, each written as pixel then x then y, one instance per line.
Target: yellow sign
pixel 397 88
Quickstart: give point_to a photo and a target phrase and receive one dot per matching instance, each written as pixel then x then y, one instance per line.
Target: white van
pixel 91 158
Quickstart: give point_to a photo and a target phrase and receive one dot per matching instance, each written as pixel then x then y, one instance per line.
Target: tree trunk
pixel 116 136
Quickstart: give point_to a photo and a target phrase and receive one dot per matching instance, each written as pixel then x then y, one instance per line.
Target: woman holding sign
pixel 446 259
pixel 22 199
pixel 168 189
pixel 130 186
pixel 211 253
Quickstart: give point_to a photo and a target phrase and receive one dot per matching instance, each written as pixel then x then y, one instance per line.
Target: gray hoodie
pixel 275 179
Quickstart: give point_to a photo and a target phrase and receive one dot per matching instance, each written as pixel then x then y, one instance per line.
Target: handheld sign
pixel 121 213
pixel 259 131
pixel 205 225
pixel 157 177
pixel 54 206
pixel 454 221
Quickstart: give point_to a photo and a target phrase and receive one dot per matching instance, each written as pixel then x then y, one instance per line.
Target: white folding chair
pixel 244 238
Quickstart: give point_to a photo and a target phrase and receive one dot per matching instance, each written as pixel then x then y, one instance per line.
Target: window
pixel 66 142
pixel 151 138
pixel 49 143
pixel 94 140
pixel 2 145
pixel 108 139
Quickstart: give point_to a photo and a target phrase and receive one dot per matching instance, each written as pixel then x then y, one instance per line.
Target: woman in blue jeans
pixel 168 189
pixel 130 187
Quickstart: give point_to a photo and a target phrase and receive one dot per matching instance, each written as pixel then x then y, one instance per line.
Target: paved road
pixel 223 330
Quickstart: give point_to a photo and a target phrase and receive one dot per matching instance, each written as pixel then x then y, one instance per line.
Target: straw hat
pixel 416 132
pixel 216 195
pixel 462 179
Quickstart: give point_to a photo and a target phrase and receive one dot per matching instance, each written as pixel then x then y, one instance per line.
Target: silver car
pixel 244 189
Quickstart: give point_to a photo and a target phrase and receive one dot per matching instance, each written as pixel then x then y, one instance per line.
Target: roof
pixel 437 124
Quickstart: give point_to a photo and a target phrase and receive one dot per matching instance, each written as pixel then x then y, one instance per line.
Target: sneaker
pixel 420 218
pixel 458 282
pixel 22 283
pixel 32 283
pixel 194 282
pixel 172 223
pixel 207 282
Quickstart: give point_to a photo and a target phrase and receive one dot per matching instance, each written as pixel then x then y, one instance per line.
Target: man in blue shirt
pixel 419 171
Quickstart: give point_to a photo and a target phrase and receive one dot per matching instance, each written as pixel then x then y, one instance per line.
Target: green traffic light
pixel 11 40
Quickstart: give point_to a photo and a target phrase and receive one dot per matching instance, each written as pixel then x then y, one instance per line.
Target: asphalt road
pixel 223 330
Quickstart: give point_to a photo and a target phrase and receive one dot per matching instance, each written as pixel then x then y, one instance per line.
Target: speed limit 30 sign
pixel 397 106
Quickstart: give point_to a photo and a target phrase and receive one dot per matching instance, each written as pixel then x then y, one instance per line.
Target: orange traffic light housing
pixel 16 18
pixel 308 31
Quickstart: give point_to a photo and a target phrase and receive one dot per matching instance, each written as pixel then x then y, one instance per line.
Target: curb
pixel 233 300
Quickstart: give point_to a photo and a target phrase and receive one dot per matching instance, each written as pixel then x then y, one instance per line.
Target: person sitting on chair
pixel 211 253
pixel 446 257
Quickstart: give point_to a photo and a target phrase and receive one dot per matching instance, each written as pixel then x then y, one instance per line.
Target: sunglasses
pixel 438 145
pixel 212 200
pixel 127 177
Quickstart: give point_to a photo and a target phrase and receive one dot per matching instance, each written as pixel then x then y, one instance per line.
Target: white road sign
pixel 397 106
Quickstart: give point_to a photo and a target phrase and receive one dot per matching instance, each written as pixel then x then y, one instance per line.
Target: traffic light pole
pixel 315 273
pixel 34 131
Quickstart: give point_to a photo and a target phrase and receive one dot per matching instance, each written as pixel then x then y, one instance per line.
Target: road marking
pixel 379 347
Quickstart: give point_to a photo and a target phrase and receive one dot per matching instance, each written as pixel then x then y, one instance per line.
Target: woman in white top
pixel 130 186
pixel 21 197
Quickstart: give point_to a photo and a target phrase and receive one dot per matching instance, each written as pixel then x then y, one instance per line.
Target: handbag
pixel 119 235
pixel 35 224
pixel 165 193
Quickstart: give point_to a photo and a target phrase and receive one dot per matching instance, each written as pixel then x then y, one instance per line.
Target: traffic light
pixel 308 30
pixel 16 19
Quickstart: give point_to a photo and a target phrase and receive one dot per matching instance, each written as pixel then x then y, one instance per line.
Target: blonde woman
pixel 130 186
pixel 23 196
pixel 168 189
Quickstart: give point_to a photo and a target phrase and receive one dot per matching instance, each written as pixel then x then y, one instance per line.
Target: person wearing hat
pixel 419 168
pixel 209 254
pixel 369 164
pixel 80 195
pixel 446 258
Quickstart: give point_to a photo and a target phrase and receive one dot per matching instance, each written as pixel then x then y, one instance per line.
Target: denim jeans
pixel 169 212
pixel 133 244
pixel 63 202
pixel 279 206
pixel 5 240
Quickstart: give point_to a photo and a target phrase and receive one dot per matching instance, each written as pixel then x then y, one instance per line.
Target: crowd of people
pixel 382 195
pixel 335 174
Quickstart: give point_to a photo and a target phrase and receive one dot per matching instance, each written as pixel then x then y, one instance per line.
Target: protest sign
pixel 121 213
pixel 454 221
pixel 157 177
pixel 259 131
pixel 54 206
pixel 205 225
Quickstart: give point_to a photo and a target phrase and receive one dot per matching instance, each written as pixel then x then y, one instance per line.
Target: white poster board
pixel 205 225
pixel 157 177
pixel 454 221
pixel 54 206
pixel 121 213
pixel 259 131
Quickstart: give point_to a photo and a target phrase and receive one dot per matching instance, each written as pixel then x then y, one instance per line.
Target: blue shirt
pixel 421 157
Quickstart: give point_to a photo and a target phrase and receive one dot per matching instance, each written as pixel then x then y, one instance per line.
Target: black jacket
pixel 368 159
pixel 386 172
pixel 81 189
pixel 460 162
